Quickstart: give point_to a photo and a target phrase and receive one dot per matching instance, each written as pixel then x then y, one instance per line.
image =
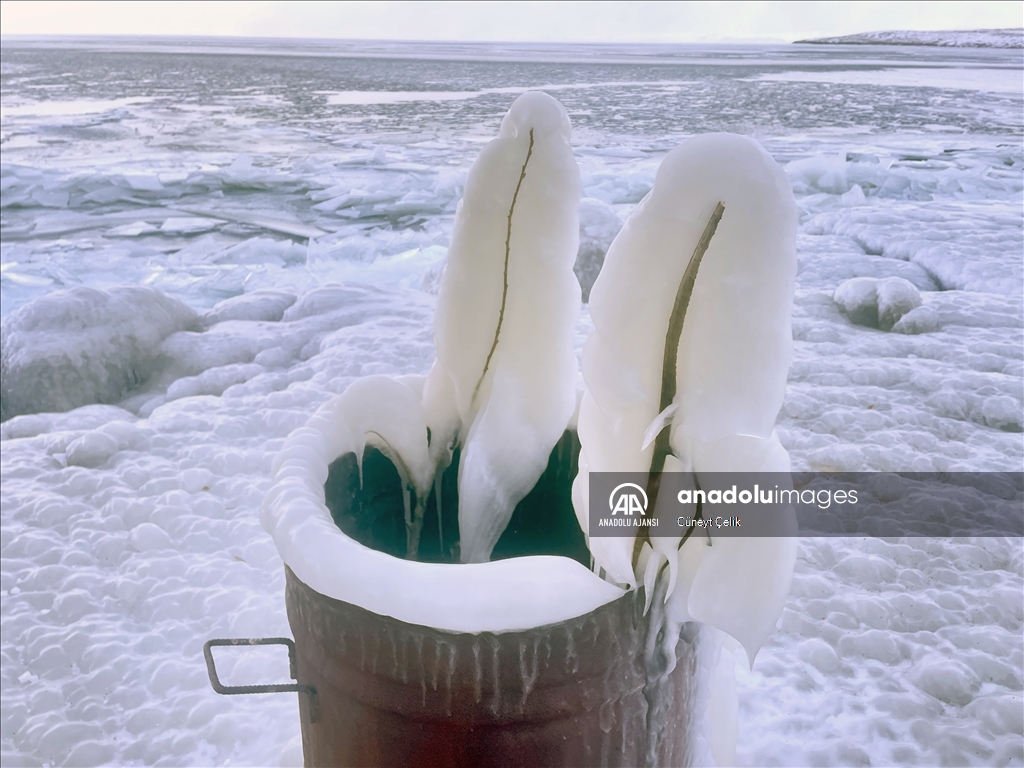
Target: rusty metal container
pixel 568 694
pixel 584 692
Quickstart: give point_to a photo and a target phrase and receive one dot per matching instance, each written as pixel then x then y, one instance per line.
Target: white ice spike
pixel 503 385
pixel 692 334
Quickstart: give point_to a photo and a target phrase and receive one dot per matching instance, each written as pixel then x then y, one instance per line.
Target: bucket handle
pixel 231 690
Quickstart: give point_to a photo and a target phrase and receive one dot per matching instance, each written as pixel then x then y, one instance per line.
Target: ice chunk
pixel 257 305
pixel 896 297
pixel 188 225
pixel 503 385
pixel 431 280
pixel 83 346
pixel 919 320
pixel 91 450
pixel 262 250
pixel 858 299
pixel 147 537
pixel 135 229
pixel 949 681
pixel 821 173
pixel 879 303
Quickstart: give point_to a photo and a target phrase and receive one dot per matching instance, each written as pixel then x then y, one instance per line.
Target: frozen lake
pixel 262 173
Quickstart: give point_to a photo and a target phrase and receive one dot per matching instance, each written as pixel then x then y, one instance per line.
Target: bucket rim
pixel 499 596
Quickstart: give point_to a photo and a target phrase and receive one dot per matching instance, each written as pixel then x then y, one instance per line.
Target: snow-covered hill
pixel 971 38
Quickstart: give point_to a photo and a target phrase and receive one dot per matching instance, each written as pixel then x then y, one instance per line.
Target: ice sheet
pixel 981 79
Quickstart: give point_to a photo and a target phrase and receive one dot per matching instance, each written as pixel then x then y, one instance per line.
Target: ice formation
pixel 503 385
pixel 881 303
pixel 725 194
pixel 84 346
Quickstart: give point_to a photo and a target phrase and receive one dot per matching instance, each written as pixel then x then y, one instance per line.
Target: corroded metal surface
pixel 568 694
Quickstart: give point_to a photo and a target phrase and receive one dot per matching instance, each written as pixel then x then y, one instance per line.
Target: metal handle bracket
pixel 231 690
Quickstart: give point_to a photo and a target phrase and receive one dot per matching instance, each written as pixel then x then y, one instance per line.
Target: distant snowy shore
pixel 973 38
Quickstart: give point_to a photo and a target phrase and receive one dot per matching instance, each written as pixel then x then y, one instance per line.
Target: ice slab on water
pixel 503 386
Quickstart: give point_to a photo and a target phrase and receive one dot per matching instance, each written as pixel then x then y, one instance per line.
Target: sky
pixel 626 22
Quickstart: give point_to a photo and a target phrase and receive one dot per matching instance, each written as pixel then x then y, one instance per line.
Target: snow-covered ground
pixel 967 38
pixel 278 215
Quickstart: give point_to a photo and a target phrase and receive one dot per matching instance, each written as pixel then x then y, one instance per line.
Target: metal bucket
pixel 568 694
pixel 375 691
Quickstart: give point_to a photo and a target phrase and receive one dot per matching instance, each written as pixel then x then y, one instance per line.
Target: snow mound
pixel 83 346
pixel 266 305
pixel 970 38
pixel 883 303
pixel 234 352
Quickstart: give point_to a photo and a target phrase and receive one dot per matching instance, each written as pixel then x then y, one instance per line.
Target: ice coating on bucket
pixel 501 596
pixel 732 360
pixel 503 385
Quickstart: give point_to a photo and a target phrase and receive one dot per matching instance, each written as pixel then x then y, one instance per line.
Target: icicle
pixel 440 513
pixel 661 421
pixel 651 570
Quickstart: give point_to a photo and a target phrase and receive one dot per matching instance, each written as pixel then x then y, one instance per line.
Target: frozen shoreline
pixel 130 531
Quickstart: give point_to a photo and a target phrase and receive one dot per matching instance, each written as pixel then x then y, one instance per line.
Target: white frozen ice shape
pixel 858 299
pixel 265 305
pixel 732 360
pixel 83 346
pixel 503 385
pixel 881 303
pixel 919 320
pixel 385 413
pixel 896 297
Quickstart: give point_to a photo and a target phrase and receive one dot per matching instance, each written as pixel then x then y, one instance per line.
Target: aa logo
pixel 628 498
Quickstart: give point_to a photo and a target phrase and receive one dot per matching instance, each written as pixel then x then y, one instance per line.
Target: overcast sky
pixel 504 21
